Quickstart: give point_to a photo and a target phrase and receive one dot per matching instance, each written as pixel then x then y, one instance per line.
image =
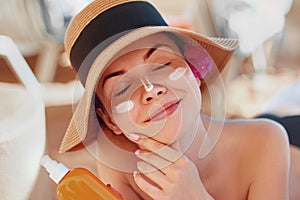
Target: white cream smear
pixel 177 74
pixel 123 107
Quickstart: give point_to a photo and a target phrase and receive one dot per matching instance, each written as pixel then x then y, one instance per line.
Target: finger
pixel 147 187
pixel 145 141
pixel 153 159
pixel 154 175
pixel 166 167
pixel 160 149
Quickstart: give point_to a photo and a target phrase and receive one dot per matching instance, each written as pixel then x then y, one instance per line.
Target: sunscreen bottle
pixel 78 183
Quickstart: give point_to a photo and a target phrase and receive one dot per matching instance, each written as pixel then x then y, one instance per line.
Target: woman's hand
pixel 166 173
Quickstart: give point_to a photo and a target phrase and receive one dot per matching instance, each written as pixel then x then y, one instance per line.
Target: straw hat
pixel 101 30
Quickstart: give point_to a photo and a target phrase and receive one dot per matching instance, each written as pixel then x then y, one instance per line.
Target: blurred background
pixel 263 75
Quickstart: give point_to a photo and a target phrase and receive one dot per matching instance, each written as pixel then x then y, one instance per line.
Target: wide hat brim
pixel 220 49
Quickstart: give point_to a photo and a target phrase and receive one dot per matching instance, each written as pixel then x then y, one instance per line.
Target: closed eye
pixel 162 66
pixel 122 91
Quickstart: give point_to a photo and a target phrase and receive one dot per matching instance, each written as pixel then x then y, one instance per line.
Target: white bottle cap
pixel 56 170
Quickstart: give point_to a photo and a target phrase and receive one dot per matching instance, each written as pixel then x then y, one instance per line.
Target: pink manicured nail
pixel 134 136
pixel 137 152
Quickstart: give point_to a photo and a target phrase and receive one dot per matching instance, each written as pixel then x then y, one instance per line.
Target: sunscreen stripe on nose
pixel 147 84
pixel 123 107
pixel 177 74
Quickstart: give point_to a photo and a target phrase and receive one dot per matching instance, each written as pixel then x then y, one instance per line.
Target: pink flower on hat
pixel 199 60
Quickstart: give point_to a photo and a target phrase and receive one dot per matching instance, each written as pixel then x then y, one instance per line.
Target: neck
pixel 200 131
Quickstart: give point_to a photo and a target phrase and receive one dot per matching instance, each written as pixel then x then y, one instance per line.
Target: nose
pixel 155 93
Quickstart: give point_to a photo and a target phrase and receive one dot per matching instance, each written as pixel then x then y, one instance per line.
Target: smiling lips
pixel 164 111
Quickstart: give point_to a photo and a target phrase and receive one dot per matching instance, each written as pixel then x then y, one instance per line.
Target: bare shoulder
pixel 256 133
pixel 261 149
pixel 255 138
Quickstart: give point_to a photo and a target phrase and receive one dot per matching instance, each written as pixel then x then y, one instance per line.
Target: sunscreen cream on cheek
pixel 78 183
pixel 123 107
pixel 177 74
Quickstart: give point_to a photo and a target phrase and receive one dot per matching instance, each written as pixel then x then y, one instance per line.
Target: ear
pixel 108 122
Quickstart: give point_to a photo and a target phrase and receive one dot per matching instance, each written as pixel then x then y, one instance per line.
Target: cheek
pixel 134 113
pixel 137 111
pixel 126 114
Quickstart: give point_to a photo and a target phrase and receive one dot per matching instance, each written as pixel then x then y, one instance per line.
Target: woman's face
pixel 150 90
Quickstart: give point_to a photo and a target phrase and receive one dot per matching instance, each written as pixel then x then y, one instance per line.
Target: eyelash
pixel 162 66
pixel 122 91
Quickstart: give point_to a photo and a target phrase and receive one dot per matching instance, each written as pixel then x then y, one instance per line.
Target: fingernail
pixel 137 152
pixel 134 136
pixel 135 173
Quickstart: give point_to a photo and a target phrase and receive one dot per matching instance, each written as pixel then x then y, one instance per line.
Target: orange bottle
pixel 78 183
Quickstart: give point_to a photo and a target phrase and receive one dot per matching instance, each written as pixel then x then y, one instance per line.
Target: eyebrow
pixel 117 73
pixel 147 55
pixel 151 51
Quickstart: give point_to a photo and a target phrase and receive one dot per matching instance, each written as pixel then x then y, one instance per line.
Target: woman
pixel 145 82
